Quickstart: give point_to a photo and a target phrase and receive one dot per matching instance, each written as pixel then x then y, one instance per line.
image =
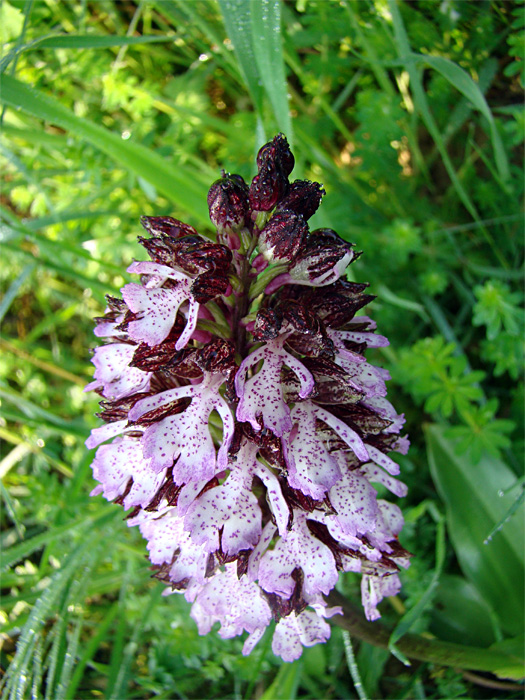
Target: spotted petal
pixel 262 394
pixel 157 309
pixel 184 440
pixel 115 464
pixel 374 589
pixel 236 603
pixel 231 506
pixel 168 543
pixel 355 501
pixel 311 468
pixel 113 374
pixel 295 631
pixel 299 549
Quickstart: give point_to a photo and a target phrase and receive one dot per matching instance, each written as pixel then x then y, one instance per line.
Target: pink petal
pixel 351 438
pixel 236 603
pixel 116 463
pixel 374 589
pixel 166 537
pixel 277 501
pixel 378 476
pixel 150 403
pixel 299 549
pixel 355 501
pixel 372 340
pixel 311 468
pixel 157 308
pixel 184 440
pixel 257 554
pixel 295 631
pixel 113 373
pixel 383 460
pixel 105 432
pixel 231 506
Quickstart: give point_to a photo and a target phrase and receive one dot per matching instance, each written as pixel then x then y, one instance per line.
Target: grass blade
pixel 177 183
pixel 14 288
pixel 462 81
pixel 24 549
pixel 78 41
pixel 237 20
pixel 268 49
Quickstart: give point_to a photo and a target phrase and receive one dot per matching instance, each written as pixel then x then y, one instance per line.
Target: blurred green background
pixel 410 114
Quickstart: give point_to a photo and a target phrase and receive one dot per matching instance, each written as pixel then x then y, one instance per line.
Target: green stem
pixel 415 646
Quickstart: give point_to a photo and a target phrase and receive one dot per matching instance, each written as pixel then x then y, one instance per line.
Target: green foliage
pixel 497 307
pixel 411 116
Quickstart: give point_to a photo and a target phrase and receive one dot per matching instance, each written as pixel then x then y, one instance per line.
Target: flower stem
pixel 415 646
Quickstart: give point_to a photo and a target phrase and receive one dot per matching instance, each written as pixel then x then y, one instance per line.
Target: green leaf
pixel 176 182
pixel 268 49
pixel 462 81
pixel 237 20
pixel 460 612
pixel 475 502
pixel 80 41
pixel 254 29
pixel 286 682
pixel 515 649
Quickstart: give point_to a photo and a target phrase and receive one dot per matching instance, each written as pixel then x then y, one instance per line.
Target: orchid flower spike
pixel 244 427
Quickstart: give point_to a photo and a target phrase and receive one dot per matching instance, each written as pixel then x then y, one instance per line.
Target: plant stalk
pixel 414 646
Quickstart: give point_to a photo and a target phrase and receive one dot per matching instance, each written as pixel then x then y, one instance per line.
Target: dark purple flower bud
pixel 209 285
pixel 159 249
pixel 277 152
pixel 153 359
pixel 217 356
pixel 112 411
pixel 166 226
pixel 228 202
pixel 275 162
pixel 267 324
pixel 195 254
pixel 304 197
pixel 338 304
pixel 323 260
pixel 283 237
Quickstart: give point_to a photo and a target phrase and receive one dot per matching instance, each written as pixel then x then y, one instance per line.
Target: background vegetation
pixel 411 116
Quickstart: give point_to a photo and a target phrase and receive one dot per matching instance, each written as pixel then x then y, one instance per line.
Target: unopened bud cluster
pixel 244 428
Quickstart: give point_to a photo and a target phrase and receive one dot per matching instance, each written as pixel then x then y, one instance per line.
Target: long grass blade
pixel 268 50
pixel 78 41
pixel 177 183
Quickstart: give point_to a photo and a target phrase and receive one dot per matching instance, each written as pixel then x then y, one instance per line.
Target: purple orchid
pixel 243 425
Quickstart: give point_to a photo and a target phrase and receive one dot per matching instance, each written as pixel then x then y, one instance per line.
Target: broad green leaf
pixel 515 650
pixel 177 182
pixel 473 495
pixel 268 49
pixel 459 612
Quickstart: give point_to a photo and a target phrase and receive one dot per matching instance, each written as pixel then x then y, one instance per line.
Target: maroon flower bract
pixel 243 425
